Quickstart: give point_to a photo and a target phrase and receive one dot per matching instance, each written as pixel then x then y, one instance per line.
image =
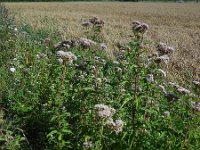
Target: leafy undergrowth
pixel 71 95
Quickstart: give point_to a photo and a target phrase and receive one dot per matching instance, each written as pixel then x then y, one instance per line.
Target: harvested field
pixel 176 24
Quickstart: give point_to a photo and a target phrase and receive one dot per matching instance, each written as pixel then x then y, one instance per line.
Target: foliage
pixel 86 100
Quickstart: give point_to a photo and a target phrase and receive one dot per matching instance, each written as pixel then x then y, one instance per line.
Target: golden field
pixel 176 24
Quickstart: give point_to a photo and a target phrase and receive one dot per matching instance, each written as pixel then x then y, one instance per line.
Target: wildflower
pixel 196 83
pixel 163 72
pixel 162 88
pixel 135 23
pixel 183 90
pixel 86 43
pixel 81 77
pixel 116 62
pixel 41 56
pixel 139 27
pixel 122 90
pixel 93 68
pixel 86 24
pixel 67 57
pixel 116 126
pixel 103 61
pixel 93 19
pixel 60 60
pixel 163 58
pixel 196 106
pixel 166 113
pixel 87 144
pixel 174 84
pixel 103 111
pixel 103 46
pixel 47 41
pixel 99 23
pixel 164 49
pixel 64 44
pixel 12 69
pixel 9 138
pixel 98 81
pixel 104 79
pixel 119 69
pixel 15 29
pixel 150 78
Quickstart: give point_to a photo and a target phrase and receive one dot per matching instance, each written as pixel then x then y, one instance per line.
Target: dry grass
pixel 172 23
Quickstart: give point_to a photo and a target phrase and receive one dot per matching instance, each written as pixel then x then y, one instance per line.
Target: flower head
pixel 86 24
pixel 166 113
pixel 103 46
pixel 87 144
pixel 86 43
pixel 163 49
pixel 150 78
pixel 67 57
pixel 196 83
pixel 104 111
pixel 196 106
pixel 12 69
pixel 163 72
pixel 163 58
pixel 116 126
pixel 139 27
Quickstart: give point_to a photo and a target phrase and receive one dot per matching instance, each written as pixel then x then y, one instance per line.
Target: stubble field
pixel 176 24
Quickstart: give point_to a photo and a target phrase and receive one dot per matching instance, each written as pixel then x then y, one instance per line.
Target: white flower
pixel 60 60
pixel 135 23
pixel 119 69
pixel 150 78
pixel 86 43
pixel 103 46
pixel 139 27
pixel 162 88
pixel 166 113
pixel 68 57
pixel 12 69
pixel 87 144
pixel 86 24
pixel 164 49
pixel 116 62
pixel 103 111
pixel 196 106
pixel 183 90
pixel 93 68
pixel 116 126
pixel 98 81
pixel 15 29
pixel 163 72
pixel 174 84
pixel 196 83
pixel 163 58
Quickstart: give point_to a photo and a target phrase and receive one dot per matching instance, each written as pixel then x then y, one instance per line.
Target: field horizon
pixel 175 24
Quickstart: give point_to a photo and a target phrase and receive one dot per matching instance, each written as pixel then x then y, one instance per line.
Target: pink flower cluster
pixel 95 21
pixel 139 27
